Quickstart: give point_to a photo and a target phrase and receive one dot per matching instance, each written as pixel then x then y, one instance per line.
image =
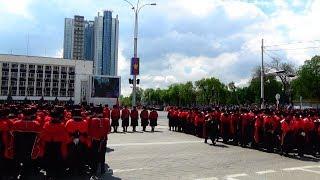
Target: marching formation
pixel 60 140
pixel 284 130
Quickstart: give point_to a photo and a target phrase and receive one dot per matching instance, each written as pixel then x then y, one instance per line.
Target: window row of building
pixel 21 79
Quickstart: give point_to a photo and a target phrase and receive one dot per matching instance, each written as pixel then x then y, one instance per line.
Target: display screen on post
pixel 105 87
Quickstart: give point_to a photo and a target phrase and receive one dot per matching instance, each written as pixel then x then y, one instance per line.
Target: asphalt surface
pixel 172 155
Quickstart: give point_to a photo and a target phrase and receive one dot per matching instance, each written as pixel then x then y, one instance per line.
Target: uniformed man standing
pixel 54 140
pixel 99 128
pixel 115 116
pixel 134 115
pixel 144 116
pixel 153 117
pixel 77 129
pixel 25 135
pixel 125 113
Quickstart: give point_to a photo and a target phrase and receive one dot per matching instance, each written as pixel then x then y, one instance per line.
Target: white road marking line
pixel 303 168
pixel 153 143
pixel 129 170
pixel 234 176
pixel 265 172
pixel 209 178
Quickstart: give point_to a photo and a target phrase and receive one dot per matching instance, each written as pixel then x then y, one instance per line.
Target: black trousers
pixel 53 161
pixel 77 158
pixel 98 154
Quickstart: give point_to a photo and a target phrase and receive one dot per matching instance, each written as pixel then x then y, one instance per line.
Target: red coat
pixel 153 116
pixel 134 115
pixel 54 132
pixel 24 126
pixel 106 113
pixel 99 128
pixel 144 115
pixel 73 127
pixel 258 127
pixel 199 120
pixel 125 113
pixel 115 114
pixel 5 127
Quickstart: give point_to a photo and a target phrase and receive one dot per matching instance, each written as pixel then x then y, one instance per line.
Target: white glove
pixel 76 141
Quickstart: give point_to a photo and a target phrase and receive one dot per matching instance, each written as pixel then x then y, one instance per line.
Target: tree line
pixel 292 84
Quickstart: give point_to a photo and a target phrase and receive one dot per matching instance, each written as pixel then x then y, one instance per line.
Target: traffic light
pixel 130 81
pixel 138 81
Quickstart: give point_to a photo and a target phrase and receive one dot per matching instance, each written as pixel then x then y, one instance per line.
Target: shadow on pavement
pixel 304 158
pixel 155 131
pixel 109 150
pixel 220 145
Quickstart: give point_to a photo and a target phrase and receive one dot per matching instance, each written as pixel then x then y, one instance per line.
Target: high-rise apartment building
pixel 89 40
pixel 98 38
pixel 114 46
pixel 78 39
pixel 93 40
pixel 68 38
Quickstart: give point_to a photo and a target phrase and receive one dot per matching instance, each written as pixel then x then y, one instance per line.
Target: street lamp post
pixel 136 8
pixel 262 77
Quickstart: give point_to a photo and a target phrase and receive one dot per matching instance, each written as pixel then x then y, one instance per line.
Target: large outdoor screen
pixel 105 87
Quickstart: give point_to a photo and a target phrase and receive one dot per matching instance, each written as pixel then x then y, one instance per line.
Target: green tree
pixel 307 84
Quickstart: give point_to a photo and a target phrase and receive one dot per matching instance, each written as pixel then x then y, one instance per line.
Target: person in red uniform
pixel 225 126
pixel 54 139
pixel 199 122
pixel 170 118
pixel 125 113
pixel 98 128
pixel 269 130
pixel 5 126
pixel 106 111
pixel 176 119
pixel 134 115
pixel 24 147
pixel 77 129
pixel 144 116
pixel 115 116
pixel 153 117
pixel 258 129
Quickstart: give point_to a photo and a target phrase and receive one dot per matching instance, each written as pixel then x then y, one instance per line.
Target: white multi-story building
pixel 35 77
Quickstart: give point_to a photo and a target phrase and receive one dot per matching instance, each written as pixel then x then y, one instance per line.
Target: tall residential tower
pixel 93 40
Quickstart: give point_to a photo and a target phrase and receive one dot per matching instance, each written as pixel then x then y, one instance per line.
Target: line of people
pixel 283 130
pixel 125 114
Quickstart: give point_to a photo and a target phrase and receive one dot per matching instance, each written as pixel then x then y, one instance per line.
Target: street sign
pixel 135 66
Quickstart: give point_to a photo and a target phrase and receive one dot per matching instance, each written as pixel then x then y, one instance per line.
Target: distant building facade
pixel 34 77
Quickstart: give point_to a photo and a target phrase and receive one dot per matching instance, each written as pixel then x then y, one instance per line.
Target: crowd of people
pixel 274 130
pixel 60 140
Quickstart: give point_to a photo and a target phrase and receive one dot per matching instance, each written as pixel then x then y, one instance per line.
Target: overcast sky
pixel 179 40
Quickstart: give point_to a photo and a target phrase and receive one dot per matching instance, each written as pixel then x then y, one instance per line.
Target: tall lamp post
pixel 136 8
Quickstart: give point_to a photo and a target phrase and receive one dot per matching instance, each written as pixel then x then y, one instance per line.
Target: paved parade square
pixel 172 155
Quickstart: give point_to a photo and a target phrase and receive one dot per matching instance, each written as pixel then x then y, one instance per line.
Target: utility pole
pixel 262 77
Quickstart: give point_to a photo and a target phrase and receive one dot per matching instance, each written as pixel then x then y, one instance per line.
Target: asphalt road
pixel 172 155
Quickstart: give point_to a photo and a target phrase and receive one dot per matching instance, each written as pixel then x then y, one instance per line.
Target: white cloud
pixel 59 53
pixel 16 7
